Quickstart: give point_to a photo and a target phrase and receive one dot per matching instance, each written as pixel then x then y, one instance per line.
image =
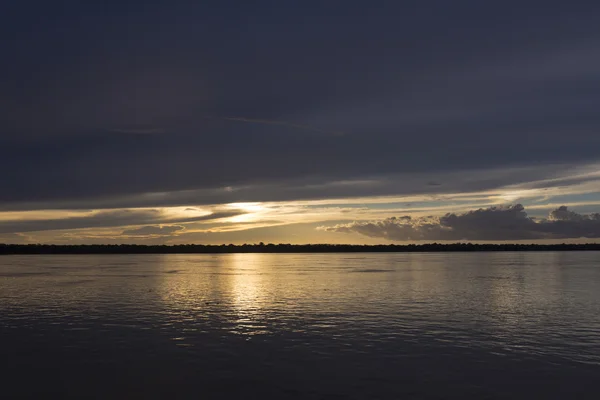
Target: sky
pixel 299 122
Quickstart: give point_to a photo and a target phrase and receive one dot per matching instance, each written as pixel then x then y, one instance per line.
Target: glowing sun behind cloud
pixel 252 212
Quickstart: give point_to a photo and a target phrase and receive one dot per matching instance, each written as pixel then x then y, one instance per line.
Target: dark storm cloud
pixel 105 101
pixel 494 223
pixel 104 219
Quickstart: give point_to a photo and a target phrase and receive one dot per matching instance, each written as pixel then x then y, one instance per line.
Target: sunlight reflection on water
pixel 503 317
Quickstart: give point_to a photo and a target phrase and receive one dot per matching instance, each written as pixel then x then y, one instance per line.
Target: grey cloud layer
pixel 494 223
pixel 105 219
pixel 91 117
pixel 310 188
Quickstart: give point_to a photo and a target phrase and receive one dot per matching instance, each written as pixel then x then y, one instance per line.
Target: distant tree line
pixel 6 249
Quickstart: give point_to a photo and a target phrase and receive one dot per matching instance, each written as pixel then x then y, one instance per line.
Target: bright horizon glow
pixel 251 221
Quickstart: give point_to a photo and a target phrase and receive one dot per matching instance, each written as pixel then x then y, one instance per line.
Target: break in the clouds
pixel 108 106
pixel 493 223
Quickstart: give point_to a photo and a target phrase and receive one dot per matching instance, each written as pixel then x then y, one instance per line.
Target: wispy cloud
pixel 113 218
pixel 139 130
pixel 286 124
pixel 154 230
pixel 14 238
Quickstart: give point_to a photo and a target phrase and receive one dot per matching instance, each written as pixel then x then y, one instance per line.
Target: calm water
pixel 335 326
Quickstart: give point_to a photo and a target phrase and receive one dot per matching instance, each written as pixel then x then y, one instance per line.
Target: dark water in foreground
pixel 323 326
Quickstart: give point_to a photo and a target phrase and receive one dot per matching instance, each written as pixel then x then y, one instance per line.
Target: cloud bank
pixel 493 223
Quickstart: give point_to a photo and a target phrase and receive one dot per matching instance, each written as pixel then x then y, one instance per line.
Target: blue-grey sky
pixel 219 121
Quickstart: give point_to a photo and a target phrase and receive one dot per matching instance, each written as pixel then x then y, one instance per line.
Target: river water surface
pixel 298 326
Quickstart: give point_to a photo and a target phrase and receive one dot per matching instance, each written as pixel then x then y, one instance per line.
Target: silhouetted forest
pixel 283 248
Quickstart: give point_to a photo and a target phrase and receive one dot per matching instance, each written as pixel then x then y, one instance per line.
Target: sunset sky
pixel 299 121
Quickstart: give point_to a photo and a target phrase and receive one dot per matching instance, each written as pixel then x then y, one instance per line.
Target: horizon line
pixel 48 249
